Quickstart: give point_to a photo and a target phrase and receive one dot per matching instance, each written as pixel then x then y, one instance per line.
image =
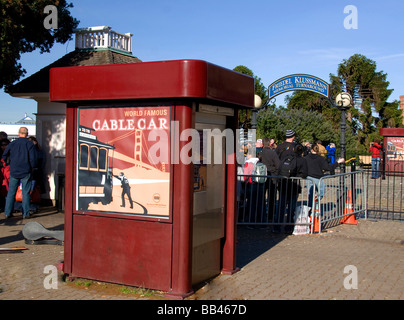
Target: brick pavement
pixel 273 266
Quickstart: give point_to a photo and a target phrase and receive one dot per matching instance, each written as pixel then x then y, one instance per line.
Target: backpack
pixel 288 166
pixel 260 170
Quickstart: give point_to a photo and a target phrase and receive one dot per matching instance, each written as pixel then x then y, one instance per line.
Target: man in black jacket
pixel 289 189
pixel 23 159
pixel 288 146
pixel 271 160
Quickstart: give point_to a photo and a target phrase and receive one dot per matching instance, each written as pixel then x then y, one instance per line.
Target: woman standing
pixel 375 149
pixel 316 165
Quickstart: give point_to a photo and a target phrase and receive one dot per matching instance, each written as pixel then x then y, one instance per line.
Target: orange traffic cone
pixel 316 224
pixel 316 221
pixel 349 218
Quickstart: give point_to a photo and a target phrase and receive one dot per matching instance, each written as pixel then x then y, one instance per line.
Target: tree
pixel 369 89
pixel 259 89
pixel 309 126
pixel 313 102
pixel 370 111
pixel 23 30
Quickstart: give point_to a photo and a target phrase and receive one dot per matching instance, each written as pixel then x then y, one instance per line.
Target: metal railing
pixel 341 196
pixel 385 195
pixel 103 37
pixel 272 202
pixel 384 186
pixel 287 203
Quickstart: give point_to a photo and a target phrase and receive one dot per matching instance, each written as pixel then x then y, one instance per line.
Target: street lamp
pixel 343 102
pixel 257 106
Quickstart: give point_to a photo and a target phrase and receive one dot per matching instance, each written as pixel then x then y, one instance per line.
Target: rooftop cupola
pixel 102 38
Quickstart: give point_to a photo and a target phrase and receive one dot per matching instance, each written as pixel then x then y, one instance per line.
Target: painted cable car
pixel 94 170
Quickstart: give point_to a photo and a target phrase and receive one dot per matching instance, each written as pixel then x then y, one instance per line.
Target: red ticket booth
pixel 150 196
pixel 393 145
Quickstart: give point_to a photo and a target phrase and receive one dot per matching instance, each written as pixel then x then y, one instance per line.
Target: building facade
pixel 12 128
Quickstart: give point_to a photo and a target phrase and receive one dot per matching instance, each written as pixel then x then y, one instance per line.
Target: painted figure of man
pixel 125 189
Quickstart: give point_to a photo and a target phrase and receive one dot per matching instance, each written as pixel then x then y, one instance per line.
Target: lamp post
pixel 343 102
pixel 257 107
pixel 253 135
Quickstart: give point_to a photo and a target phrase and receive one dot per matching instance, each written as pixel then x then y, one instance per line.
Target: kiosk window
pixel 83 156
pixel 102 163
pixel 94 159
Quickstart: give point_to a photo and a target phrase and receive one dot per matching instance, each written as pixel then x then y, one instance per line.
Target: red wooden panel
pixel 392 132
pixel 182 215
pixel 151 80
pixel 129 252
pixel 69 186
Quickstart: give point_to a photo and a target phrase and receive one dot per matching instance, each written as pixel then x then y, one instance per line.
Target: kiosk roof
pixel 174 79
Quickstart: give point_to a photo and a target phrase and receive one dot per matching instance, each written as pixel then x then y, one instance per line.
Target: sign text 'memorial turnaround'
pixel 299 82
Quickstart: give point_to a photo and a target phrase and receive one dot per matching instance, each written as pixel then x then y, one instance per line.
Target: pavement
pixel 347 262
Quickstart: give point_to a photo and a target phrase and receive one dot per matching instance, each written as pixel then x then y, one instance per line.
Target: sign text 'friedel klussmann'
pixel 299 82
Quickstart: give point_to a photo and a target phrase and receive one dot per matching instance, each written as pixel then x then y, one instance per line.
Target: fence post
pixel 365 187
pixel 353 182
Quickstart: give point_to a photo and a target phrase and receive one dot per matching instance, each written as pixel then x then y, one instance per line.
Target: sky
pixel 272 38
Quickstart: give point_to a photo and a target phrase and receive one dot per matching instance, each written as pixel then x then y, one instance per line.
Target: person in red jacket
pixel 375 149
pixel 4 175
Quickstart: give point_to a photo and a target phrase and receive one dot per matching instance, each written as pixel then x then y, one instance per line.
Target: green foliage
pixel 313 102
pixel 22 30
pixel 370 110
pixel 369 89
pixel 309 126
pixel 244 70
pixel 313 117
pixel 260 90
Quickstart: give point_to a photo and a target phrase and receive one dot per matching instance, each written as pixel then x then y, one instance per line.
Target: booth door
pixel 209 198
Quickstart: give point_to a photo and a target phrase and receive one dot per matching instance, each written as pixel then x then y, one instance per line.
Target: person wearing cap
pixel 285 149
pixel 288 146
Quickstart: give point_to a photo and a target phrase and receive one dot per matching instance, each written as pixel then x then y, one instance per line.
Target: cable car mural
pixel 95 171
pixel 122 167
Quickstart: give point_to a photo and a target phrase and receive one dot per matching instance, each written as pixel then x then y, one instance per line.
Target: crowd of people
pixel 21 174
pixel 288 159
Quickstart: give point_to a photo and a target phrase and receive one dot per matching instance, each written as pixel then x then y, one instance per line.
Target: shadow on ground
pixel 251 243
